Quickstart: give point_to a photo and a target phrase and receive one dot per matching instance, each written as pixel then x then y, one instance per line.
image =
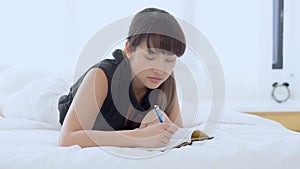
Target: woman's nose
pixel 158 70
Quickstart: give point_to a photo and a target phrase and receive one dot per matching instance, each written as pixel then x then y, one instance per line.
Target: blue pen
pixel 158 113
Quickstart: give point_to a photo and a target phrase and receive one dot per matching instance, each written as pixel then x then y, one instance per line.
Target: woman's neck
pixel 139 88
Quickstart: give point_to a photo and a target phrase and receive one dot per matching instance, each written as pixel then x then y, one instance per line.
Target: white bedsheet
pixel 241 141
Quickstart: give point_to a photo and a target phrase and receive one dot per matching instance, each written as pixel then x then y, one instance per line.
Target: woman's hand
pixel 151 118
pixel 152 133
pixel 156 135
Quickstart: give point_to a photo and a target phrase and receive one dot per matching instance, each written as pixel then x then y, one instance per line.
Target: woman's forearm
pixel 93 138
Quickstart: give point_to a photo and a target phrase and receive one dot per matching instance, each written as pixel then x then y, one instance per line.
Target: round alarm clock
pixel 281 92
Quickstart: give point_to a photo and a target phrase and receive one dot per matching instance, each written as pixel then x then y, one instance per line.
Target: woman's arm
pixel 156 135
pixel 175 115
pixel 77 127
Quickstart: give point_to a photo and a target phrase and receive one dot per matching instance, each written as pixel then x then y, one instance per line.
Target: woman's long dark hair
pixel 161 31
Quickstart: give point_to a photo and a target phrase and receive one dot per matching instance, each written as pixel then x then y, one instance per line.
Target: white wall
pixel 291 47
pixel 38 32
pixel 33 32
pixel 241 33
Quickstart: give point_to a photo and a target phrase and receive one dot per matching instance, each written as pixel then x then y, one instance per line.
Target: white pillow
pixel 3 69
pixel 37 100
pixel 15 78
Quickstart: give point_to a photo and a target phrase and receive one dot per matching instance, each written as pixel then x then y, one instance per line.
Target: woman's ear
pixel 128 49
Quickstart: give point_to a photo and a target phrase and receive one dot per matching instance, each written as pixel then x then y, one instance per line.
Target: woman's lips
pixel 154 79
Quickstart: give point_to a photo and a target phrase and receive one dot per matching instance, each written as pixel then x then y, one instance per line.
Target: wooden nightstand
pixel 288 113
pixel 289 119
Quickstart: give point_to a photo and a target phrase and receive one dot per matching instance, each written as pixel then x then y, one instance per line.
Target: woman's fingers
pixel 168 134
pixel 143 125
pixel 158 135
pixel 151 118
pixel 170 127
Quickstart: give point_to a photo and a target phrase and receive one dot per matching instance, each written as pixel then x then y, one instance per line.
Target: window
pixel 278 11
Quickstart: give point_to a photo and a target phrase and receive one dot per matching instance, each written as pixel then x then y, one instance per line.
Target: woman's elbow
pixel 65 141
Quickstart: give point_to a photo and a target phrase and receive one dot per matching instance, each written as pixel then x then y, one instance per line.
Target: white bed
pixel 29 135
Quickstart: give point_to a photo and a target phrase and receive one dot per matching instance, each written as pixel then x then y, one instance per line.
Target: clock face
pixel 281 93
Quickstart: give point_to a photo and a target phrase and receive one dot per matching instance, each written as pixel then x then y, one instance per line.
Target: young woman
pixel 112 103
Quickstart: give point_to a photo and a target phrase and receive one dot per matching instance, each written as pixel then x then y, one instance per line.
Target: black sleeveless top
pixel 113 115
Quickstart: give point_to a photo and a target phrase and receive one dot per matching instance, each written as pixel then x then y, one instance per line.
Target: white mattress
pixel 241 141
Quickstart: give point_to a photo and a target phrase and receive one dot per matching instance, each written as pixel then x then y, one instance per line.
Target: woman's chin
pixel 153 86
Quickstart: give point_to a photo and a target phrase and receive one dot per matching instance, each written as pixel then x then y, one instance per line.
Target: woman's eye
pixel 149 57
pixel 171 60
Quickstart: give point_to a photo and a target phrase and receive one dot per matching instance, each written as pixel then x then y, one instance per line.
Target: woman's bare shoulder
pixel 95 83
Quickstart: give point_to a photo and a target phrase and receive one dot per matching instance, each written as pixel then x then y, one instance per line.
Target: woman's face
pixel 151 69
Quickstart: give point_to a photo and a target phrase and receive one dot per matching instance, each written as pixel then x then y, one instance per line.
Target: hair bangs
pixel 158 43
